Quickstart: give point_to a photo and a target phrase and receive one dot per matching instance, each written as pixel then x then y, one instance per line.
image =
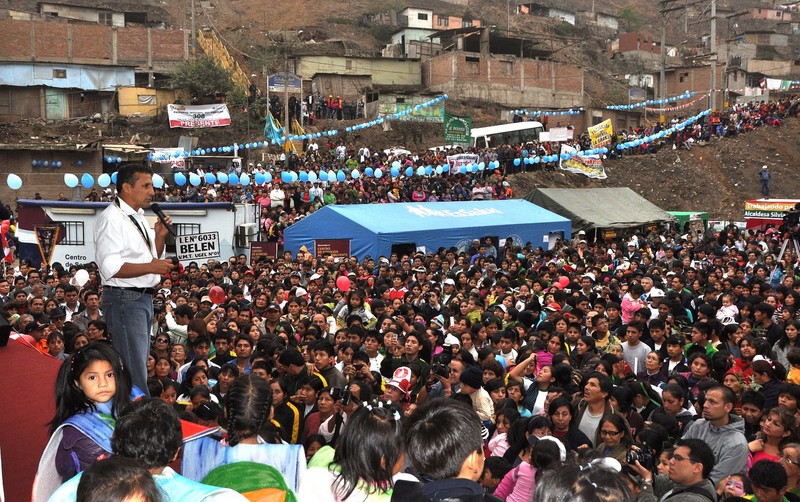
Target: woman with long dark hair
pixel 366 463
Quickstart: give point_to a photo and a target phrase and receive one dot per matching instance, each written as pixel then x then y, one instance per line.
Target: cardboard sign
pixel 197 246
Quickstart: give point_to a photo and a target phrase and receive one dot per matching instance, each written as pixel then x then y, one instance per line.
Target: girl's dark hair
pixel 574 483
pixel 186 384
pixel 545 455
pixel 367 450
pixel 70 399
pixel 247 405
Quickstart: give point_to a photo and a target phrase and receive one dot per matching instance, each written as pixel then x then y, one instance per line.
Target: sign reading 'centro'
pixel 197 246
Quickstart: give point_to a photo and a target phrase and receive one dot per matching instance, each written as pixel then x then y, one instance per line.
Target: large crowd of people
pixel 656 365
pixel 636 357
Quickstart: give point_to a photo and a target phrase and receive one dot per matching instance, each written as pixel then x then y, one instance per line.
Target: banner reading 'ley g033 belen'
pixel 197 116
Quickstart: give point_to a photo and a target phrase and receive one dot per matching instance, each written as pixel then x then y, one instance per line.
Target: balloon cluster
pixel 685 95
pixel 661 134
pixel 548 112
pixel 301 137
pixel 47 163
pixel 546 159
pixel 87 180
pixel 112 160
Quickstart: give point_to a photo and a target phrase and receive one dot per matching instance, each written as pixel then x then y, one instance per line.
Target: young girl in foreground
pixel 92 388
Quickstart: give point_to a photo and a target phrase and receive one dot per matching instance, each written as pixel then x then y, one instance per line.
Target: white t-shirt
pixel 589 424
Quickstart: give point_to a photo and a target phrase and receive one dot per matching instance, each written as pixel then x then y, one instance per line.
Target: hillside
pixel 717 178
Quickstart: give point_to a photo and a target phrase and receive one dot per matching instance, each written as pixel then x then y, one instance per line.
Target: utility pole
pixel 194 33
pixel 712 92
pixel 286 125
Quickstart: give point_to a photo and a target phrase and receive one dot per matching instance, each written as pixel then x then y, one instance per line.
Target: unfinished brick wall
pixel 84 43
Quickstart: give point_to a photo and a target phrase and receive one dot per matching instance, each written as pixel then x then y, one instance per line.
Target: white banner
pixel 462 159
pixel 197 246
pixel 588 165
pixel 198 116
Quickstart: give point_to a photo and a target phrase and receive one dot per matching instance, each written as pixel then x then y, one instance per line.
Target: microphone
pixel 162 218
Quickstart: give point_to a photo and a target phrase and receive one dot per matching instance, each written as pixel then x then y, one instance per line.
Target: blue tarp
pixel 374 228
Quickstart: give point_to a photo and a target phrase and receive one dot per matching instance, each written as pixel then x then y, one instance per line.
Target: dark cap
pixel 57 313
pixel 274 306
pixel 33 326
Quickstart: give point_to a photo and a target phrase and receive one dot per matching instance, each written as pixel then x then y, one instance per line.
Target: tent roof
pixel 590 208
pixel 409 217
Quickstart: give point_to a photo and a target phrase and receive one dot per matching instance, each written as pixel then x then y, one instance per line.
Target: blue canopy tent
pixel 373 229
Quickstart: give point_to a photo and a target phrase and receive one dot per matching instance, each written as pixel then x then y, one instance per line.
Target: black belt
pixel 144 291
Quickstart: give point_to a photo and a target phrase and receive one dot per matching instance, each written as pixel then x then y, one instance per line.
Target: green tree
pixel 202 77
pixel 630 19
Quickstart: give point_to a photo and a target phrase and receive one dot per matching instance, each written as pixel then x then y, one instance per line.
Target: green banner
pixel 428 114
pixel 457 130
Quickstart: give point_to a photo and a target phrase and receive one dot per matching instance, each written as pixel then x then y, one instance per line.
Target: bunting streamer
pixel 678 107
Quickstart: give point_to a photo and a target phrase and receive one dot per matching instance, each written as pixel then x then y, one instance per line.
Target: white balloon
pixel 81 277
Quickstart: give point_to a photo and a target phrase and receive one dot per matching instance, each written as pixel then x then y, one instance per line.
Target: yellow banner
pixel 601 134
pixel 769 205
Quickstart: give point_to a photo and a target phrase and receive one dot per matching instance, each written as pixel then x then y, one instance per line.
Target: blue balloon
pixel 71 180
pixel 421 171
pixel 222 177
pixel 233 179
pixel 79 163
pixel 446 168
pixel 481 166
pixel 285 177
pixel 394 171
pixel 439 170
pixel 379 173
pixel 516 162
pixel 158 181
pixel 331 175
pixel 323 175
pixel 195 179
pixel 58 164
pixel 312 176
pixel 267 177
pixel 104 180
pixel 34 163
pixel 119 160
pixel 46 163
pixel 259 178
pixel 524 153
pixel 526 161
pixel 245 179
pixel 368 171
pixel 428 170
pixel 355 174
pixel 303 176
pixel 340 175
pixel 14 182
pixel 87 181
pixel 396 164
pixel 409 172
pixel 210 178
pixel 463 169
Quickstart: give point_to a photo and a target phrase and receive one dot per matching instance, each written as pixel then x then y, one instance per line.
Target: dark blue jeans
pixel 129 314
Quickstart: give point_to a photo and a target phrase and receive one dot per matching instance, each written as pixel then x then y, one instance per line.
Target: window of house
pixel 473 66
pixel 105 18
pixel 422 17
pixel 506 67
pixel 684 76
pixel 59 73
pixel 73 233
pixel 442 21
pixel 400 100
pixel 466 23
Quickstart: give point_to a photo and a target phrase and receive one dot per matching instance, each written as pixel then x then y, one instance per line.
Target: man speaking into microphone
pixel 130 256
